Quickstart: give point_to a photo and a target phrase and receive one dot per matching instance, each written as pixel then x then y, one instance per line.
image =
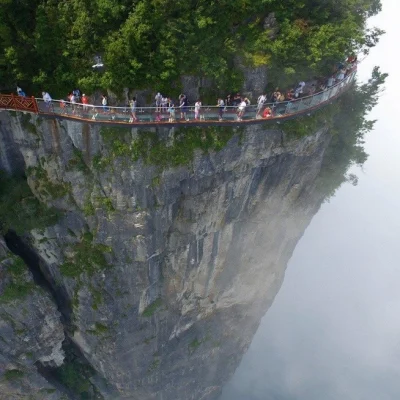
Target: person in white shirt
pixel 104 103
pixel 261 99
pixel 47 100
pixel 341 74
pixel 133 105
pixel 46 97
pixel 241 109
pixel 158 100
pixel 197 107
pixel 299 89
pixel 72 99
pixel 260 103
pixel 164 104
pixel 331 82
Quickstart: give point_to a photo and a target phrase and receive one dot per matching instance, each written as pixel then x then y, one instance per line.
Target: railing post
pixel 13 103
pixel 35 105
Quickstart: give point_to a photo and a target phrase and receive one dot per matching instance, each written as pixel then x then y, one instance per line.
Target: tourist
pixel 183 105
pixel 339 65
pixel 133 106
pixel 241 110
pixel 104 102
pixel 73 102
pixel 164 104
pixel 262 99
pixel 330 82
pixel 260 103
pixel 341 74
pixel 85 102
pixel 236 100
pixel 312 89
pixel 275 95
pixel 327 92
pixel 351 63
pixel 46 97
pixel 20 92
pixel 171 110
pixel 158 100
pixel 77 94
pixel 197 107
pixel 290 95
pixel 352 59
pixel 228 101
pixel 47 100
pixel 221 106
pixel 281 98
pixel 267 113
pixel 158 116
pixel 299 90
pixel 63 106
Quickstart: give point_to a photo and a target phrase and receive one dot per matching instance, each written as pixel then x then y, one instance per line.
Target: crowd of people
pixel 265 105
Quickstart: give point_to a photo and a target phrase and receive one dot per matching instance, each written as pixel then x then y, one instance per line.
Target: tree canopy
pixel 51 44
pixel 350 123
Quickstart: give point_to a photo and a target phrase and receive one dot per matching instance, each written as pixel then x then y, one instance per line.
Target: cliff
pixel 30 331
pixel 170 247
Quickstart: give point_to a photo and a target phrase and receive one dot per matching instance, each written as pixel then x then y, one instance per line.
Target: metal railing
pixel 210 114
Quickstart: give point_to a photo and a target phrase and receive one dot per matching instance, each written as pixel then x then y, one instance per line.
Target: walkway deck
pixel 150 116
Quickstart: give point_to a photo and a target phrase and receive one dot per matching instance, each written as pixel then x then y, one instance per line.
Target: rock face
pixel 30 332
pixel 167 261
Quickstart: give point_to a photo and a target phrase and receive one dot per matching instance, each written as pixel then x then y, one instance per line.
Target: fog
pixel 333 331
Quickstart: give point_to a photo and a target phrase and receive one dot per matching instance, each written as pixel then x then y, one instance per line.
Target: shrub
pixel 152 308
pixel 20 210
pixel 13 374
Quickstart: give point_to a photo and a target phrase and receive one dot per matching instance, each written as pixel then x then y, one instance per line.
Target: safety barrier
pixel 18 103
pixel 214 115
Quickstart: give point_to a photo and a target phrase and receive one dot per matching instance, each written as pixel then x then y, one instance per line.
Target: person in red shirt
pixel 63 107
pixel 267 113
pixel 85 102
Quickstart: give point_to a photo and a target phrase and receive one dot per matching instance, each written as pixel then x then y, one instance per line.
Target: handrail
pixel 18 103
pixel 161 115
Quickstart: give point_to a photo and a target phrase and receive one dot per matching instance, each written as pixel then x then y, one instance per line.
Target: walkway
pixel 149 116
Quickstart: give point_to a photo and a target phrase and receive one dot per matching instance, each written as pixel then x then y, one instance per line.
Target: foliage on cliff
pixel 150 43
pixel 20 210
pixel 18 283
pixel 152 149
pixel 350 125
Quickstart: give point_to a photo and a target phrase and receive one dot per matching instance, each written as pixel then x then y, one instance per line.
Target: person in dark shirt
pixel 183 105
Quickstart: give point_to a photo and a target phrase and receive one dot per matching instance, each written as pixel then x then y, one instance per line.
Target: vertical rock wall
pixel 30 332
pixel 167 268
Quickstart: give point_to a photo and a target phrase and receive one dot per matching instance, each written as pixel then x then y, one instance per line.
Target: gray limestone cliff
pixel 171 246
pixel 30 332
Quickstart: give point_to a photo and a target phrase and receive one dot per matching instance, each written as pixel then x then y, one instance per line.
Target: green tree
pixel 151 43
pixel 350 124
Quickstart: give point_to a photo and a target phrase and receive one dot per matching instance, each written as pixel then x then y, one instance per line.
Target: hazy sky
pixel 333 331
